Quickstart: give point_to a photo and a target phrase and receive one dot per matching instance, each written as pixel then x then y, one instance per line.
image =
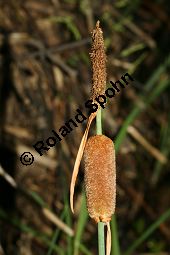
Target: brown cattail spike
pixel 98 60
pixel 100 177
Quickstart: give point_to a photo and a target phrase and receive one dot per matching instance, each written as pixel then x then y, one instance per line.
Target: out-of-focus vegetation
pixel 45 75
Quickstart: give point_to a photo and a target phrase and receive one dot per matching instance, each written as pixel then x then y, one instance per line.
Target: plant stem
pixel 101 241
pixel 115 240
pixel 99 122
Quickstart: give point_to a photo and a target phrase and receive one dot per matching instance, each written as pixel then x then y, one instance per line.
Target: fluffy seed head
pixel 100 177
pixel 98 60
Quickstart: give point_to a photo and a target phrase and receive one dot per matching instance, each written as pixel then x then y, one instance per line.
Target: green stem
pixel 99 122
pixel 101 241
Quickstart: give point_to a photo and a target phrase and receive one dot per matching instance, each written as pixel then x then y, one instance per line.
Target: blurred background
pixel 45 75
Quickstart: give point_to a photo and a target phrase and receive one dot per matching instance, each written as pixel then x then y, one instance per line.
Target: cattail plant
pixel 99 153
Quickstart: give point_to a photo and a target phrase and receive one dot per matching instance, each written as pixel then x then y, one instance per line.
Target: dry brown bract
pixel 78 159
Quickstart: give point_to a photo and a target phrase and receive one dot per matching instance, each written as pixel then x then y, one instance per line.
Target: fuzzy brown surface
pixel 98 60
pixel 100 177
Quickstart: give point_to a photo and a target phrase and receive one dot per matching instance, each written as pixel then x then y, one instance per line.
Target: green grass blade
pixel 147 100
pixel 36 198
pixel 138 109
pixel 148 232
pixel 165 145
pixel 82 220
pixel 27 229
pixel 157 73
pixel 69 223
pixel 56 234
pixel 115 239
pixel 53 241
pixel 84 250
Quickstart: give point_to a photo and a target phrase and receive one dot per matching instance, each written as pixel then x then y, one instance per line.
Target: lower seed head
pixel 100 177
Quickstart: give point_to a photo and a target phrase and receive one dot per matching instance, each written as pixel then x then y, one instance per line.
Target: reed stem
pixel 99 122
pixel 101 241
